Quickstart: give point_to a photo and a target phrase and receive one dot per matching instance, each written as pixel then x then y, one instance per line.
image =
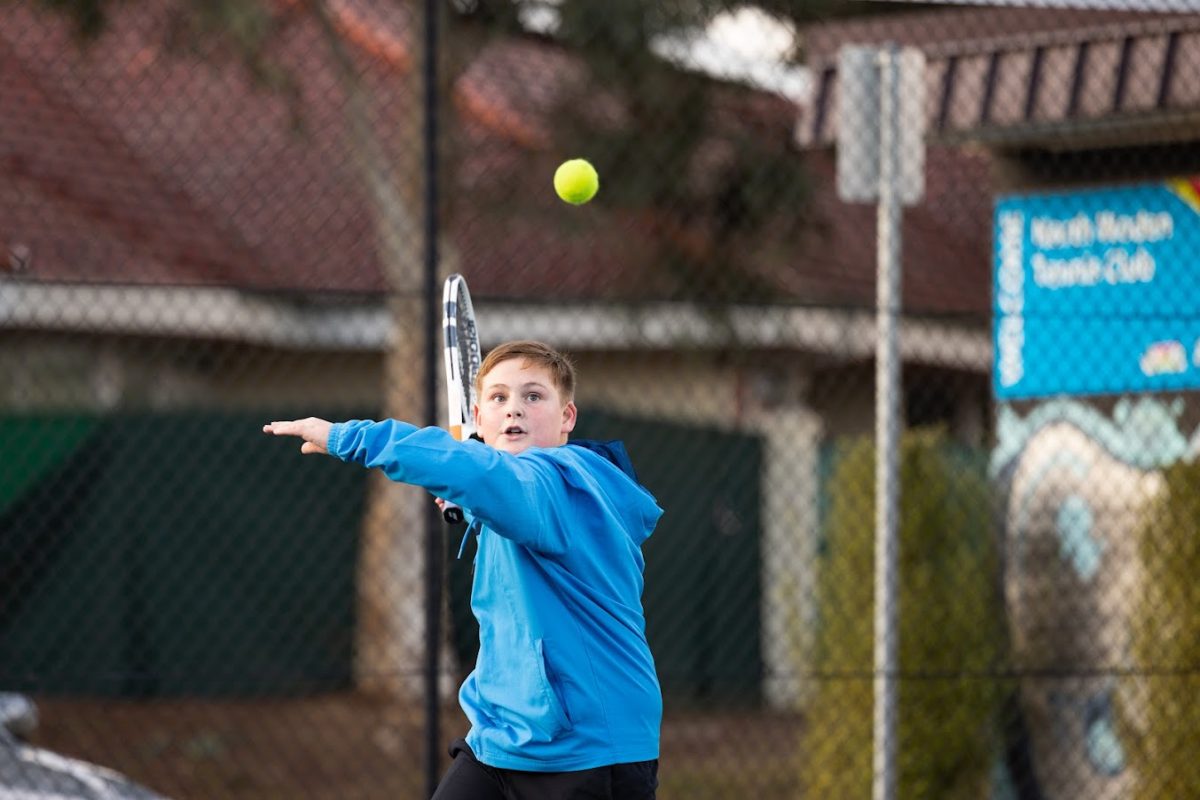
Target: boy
pixel 564 701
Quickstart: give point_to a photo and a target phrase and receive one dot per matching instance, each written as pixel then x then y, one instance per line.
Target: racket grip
pixel 452 514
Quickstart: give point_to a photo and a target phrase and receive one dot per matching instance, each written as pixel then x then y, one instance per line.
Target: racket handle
pixel 452 514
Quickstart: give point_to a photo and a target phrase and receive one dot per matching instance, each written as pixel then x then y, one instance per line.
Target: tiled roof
pixel 99 187
pixel 164 169
pixel 945 240
pixel 1024 74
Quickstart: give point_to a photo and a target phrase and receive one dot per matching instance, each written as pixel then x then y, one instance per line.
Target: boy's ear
pixel 569 416
pixel 475 414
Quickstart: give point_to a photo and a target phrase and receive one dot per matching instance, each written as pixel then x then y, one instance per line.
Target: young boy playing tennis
pixel 564 701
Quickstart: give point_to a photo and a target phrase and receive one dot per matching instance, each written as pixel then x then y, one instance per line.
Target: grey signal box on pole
pixel 859 123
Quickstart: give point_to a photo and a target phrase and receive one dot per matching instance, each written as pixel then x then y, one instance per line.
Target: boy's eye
pixel 499 398
pixel 533 396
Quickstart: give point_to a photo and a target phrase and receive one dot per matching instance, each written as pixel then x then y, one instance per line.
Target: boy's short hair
pixel 561 370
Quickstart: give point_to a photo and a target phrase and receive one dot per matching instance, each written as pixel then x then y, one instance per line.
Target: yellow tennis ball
pixel 576 181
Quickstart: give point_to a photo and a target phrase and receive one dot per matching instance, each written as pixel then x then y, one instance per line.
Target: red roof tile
pixel 188 164
pixel 126 164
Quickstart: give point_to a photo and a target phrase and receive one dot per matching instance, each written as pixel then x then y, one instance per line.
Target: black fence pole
pixel 433 543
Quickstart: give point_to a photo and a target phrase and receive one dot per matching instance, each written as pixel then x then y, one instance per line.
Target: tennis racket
pixel 462 357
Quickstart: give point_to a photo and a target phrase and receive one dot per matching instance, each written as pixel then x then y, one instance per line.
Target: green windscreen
pixel 164 554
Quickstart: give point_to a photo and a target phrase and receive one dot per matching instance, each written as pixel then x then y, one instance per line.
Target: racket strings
pixel 466 352
pixel 467 359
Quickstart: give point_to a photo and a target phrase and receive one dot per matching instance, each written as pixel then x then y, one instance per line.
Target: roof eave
pixel 363 324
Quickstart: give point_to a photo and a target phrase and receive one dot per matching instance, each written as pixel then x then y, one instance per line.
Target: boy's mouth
pixel 513 430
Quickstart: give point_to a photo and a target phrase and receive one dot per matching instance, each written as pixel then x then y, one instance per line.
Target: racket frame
pixel 460 363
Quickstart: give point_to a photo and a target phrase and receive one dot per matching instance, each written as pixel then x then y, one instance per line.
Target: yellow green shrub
pixel 950 627
pixel 1159 709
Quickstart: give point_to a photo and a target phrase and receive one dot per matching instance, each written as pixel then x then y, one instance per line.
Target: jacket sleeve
pixel 520 497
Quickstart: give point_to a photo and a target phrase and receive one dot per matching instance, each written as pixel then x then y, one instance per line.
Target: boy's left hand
pixel 314 432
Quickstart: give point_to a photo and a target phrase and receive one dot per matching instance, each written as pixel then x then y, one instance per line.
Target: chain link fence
pixel 218 215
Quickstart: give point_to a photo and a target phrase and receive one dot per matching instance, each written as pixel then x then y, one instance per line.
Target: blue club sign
pixel 1097 292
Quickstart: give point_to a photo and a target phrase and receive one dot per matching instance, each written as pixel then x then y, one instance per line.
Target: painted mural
pixel 1077 477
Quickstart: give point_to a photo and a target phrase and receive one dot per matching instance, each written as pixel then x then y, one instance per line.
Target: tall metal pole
pixel 887 387
pixel 433 532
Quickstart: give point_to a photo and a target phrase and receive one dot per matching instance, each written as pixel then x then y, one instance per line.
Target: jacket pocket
pixel 554 703
pixel 517 699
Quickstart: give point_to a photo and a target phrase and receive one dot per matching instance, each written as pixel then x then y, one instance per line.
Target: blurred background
pixel 217 214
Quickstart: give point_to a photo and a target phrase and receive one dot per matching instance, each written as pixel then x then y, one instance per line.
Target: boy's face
pixel 519 407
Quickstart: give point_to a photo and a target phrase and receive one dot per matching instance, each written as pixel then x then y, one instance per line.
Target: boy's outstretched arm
pixel 314 432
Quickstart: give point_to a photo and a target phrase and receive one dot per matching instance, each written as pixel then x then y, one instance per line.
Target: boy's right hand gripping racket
pixel 462 357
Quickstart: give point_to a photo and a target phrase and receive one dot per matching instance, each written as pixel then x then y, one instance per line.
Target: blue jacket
pixel 564 678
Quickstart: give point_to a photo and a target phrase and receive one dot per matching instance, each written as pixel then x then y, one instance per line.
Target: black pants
pixel 468 779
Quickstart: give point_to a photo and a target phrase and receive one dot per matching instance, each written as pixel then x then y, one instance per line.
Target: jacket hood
pixel 644 506
pixel 612 450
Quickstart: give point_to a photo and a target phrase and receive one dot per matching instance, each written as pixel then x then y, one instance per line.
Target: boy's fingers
pixel 313 431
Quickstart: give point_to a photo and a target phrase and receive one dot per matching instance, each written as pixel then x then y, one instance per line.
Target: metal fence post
pixel 887 374
pixel 434 531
